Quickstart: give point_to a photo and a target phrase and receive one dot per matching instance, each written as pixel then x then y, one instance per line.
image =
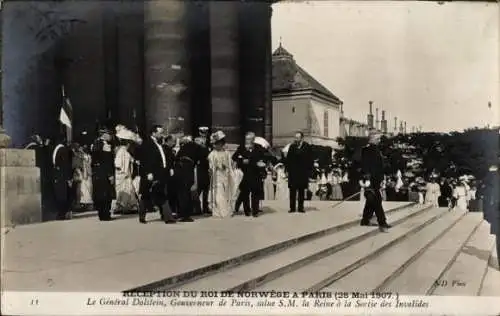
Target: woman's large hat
pixel 125 134
pixel 217 136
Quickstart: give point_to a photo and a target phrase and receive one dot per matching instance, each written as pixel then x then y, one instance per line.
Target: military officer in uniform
pixel 372 165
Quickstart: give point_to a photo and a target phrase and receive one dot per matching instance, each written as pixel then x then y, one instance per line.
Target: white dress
pixel 269 187
pixel 84 174
pixel 126 195
pixel 437 192
pixel 223 188
pixel 460 193
pixel 281 185
pixel 429 193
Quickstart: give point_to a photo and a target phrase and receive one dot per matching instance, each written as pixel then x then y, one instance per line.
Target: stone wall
pixel 20 197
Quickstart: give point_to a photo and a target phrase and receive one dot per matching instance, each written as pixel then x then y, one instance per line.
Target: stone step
pixel 344 222
pixel 253 274
pixel 420 277
pixel 372 275
pixel 469 268
pixel 321 273
pixel 491 282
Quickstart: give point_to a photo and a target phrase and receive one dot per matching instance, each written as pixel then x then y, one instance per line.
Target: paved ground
pixel 88 255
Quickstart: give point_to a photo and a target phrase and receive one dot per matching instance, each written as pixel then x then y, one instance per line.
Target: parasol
pixel 261 141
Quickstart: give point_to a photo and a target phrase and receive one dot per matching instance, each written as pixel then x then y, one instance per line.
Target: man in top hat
pixel 103 174
pixel 202 170
pixel 372 165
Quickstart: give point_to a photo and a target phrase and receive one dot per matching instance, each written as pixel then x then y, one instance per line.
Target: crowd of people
pixel 180 176
pixel 176 175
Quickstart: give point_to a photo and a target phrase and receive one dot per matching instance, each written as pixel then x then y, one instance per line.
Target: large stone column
pixel 252 65
pixel 199 51
pixel 225 69
pixel 166 68
pixel 130 31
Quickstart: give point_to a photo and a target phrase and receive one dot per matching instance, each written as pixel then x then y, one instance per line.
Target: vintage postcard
pixel 258 157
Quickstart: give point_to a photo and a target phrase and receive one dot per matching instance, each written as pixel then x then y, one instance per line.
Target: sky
pixel 435 66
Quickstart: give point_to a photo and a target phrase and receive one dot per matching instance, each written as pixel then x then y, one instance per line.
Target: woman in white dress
pixel 83 175
pixel 222 188
pixel 436 191
pixel 126 194
pixel 429 192
pixel 269 193
pixel 281 183
pixel 336 187
pixel 460 194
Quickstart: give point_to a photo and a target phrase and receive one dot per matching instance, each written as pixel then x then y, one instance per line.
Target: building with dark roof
pixel 301 103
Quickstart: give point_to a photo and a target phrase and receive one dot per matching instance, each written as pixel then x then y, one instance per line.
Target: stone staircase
pixel 429 251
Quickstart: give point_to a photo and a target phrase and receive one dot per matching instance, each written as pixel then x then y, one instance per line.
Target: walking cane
pixel 346 199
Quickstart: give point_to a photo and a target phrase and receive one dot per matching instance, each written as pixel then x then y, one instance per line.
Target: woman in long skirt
pixel 281 183
pixel 336 187
pixel 269 193
pixel 222 186
pixel 126 194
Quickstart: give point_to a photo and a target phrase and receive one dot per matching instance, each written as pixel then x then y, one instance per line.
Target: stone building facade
pixel 301 103
pixel 180 64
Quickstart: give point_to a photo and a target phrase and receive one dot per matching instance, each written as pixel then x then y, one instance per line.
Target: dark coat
pixel 102 169
pixel 252 174
pixel 202 168
pixel 298 165
pixel 372 165
pixel 62 173
pixel 186 161
pixel 151 162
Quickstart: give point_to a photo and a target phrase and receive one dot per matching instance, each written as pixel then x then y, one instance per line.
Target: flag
pixel 65 116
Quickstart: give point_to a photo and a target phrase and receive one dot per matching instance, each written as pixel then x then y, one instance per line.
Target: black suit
pixel 171 183
pixel 298 165
pixel 103 170
pixel 251 189
pixel 203 180
pixel 153 192
pixel 373 167
pixel 62 175
pixel 186 161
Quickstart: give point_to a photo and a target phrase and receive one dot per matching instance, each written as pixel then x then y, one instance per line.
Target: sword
pixel 346 199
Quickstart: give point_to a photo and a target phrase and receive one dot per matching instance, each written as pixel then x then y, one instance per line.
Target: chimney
pixel 341 109
pixel 370 115
pixel 377 122
pixel 384 123
pixel 405 128
pixel 395 125
pixel 401 130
